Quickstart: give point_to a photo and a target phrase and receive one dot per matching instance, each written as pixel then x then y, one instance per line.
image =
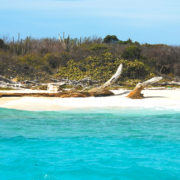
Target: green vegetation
pixel 111 39
pixel 132 52
pixel 75 59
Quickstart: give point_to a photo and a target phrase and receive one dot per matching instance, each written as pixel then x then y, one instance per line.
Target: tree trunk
pixel 136 93
pixel 112 80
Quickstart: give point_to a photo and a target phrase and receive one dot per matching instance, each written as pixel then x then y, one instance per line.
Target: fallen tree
pixel 136 93
pixel 108 83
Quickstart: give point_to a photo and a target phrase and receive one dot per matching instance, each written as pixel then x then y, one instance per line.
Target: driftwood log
pixel 136 93
pixel 112 80
pixel 58 94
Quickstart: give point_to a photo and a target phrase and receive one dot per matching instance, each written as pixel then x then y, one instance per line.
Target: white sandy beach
pixel 153 99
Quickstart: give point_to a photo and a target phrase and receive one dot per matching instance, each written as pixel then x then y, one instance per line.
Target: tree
pixel 3 45
pixel 129 41
pixel 111 39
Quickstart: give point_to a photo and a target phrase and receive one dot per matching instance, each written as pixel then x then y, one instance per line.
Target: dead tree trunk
pixel 114 78
pixel 103 88
pixel 136 93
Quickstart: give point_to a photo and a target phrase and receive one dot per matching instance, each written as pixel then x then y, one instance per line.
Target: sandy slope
pixel 154 99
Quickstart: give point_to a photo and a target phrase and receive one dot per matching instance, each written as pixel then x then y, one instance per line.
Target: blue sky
pixel 154 21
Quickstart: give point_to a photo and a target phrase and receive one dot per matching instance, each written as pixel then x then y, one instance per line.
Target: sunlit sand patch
pixel 153 99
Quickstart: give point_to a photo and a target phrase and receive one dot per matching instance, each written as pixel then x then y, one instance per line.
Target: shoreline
pixel 165 99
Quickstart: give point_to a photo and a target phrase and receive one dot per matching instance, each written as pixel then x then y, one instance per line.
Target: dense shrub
pixel 132 52
pixel 134 69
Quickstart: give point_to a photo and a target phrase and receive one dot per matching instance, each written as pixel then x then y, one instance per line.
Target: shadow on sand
pixel 154 97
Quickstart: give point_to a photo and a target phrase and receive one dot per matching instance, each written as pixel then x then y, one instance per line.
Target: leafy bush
pixel 98 47
pixel 132 52
pixel 52 60
pixel 134 69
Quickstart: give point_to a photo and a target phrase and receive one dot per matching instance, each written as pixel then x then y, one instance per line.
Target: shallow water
pixel 102 144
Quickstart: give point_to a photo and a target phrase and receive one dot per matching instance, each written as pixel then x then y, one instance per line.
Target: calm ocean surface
pixel 104 144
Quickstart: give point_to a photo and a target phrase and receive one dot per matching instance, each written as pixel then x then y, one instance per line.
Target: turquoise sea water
pixel 103 144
